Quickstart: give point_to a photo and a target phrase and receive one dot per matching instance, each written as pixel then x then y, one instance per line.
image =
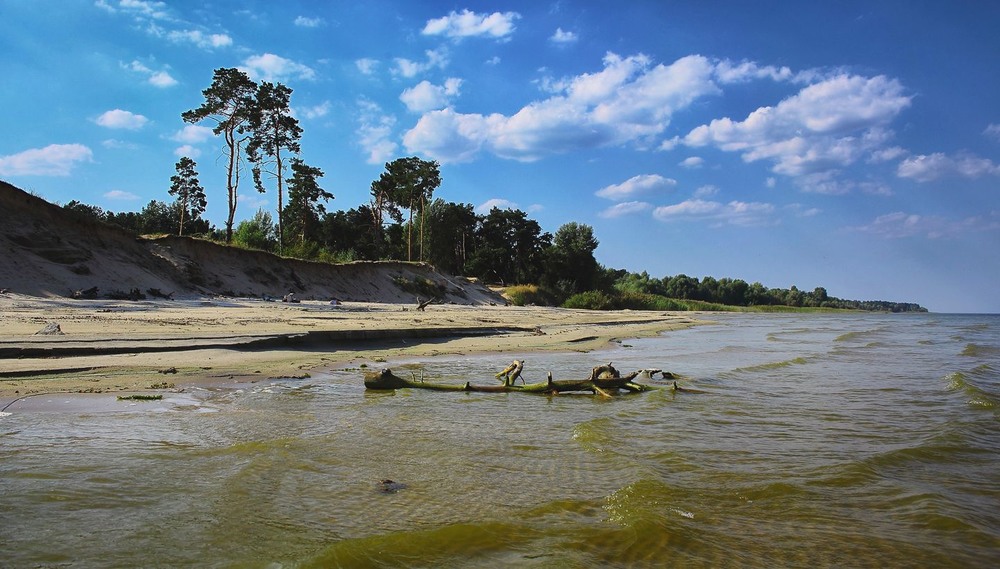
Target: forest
pixel 403 221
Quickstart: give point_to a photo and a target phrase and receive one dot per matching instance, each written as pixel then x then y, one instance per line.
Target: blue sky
pixel 850 145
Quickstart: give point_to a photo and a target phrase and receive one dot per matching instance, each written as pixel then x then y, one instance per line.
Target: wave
pixel 594 435
pixel 979 350
pixel 962 383
pixel 439 547
pixel 774 365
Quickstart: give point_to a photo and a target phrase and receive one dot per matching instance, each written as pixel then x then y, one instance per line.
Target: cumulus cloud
pixel 628 101
pixel 53 160
pixel 426 96
pixel 706 191
pixel 886 154
pixel 927 168
pixel 187 150
pixel 825 126
pixel 118 118
pixel 271 67
pixel 692 162
pixel 728 72
pixel 304 22
pixel 635 185
pixel 498 203
pixel 563 37
pixel 366 65
pixel 624 208
pixel 717 213
pixel 466 24
pixel 374 132
pixel 192 134
pixel 160 79
pixel 144 9
pixel 199 38
pixel 436 58
pixel 993 131
pixel 316 111
pixel 120 195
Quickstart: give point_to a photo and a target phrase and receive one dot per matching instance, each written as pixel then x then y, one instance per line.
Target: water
pixel 819 440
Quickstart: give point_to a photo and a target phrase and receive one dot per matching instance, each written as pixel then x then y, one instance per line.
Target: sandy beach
pixel 120 345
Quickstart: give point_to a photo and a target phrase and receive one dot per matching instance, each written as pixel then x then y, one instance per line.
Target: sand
pixel 114 346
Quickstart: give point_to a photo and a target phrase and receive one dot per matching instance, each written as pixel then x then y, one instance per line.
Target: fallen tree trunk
pixel 603 380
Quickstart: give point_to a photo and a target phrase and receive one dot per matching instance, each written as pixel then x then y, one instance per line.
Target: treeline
pixel 403 221
pixel 503 247
pixel 737 292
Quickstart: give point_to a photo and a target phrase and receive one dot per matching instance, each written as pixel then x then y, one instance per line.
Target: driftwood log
pixel 604 380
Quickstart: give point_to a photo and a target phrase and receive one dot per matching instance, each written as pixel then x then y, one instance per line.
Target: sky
pixel 849 145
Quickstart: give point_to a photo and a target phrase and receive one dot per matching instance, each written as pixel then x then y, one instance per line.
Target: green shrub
pixel 526 295
pixel 590 300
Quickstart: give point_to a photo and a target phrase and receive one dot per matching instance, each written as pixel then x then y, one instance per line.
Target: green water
pixel 820 440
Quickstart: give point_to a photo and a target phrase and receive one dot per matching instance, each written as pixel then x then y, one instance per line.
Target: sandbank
pixel 112 346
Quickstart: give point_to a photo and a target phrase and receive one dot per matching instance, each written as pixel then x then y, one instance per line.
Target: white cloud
pixel 827 125
pixel 470 24
pixel 366 65
pixel 799 210
pixel 271 67
pixel 635 185
pixel 304 22
pixel 624 208
pixel 408 68
pixel 316 111
pixel 448 136
pixel 627 102
pixel 926 168
pixel 140 9
pixel 875 188
pixel 426 96
pixel 899 225
pixel 563 37
pixel 728 72
pixel 192 134
pixel 886 154
pixel 374 132
pixel 156 20
pixel 53 160
pixel 162 79
pixel 118 118
pixel 771 182
pixel 706 191
pixel 498 203
pixel 692 162
pixel 200 38
pixel 495 60
pixel 993 131
pixel 120 195
pixel 732 213
pixel 187 150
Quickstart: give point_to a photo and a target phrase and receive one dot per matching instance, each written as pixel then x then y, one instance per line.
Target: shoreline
pixel 115 346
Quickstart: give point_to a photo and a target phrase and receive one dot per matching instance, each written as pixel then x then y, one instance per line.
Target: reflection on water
pixel 858 440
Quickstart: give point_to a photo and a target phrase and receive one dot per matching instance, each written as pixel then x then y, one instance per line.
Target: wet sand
pixel 109 346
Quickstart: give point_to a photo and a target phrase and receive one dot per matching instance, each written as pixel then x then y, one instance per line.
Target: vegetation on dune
pixel 503 247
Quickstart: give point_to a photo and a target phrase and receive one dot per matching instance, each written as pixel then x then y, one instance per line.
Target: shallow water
pixel 820 440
